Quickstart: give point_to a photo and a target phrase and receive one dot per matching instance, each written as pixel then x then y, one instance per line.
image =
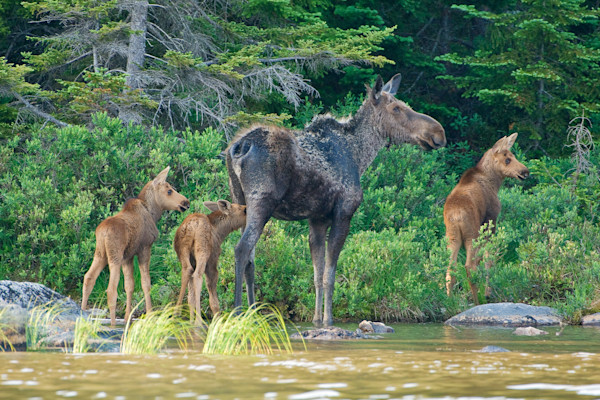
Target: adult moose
pixel 474 202
pixel 128 233
pixel 315 174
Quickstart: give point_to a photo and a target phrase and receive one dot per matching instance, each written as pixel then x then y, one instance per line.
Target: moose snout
pixel 524 174
pixel 185 204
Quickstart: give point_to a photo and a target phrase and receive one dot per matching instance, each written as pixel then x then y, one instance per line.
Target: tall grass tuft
pixel 250 332
pixel 85 329
pixel 150 334
pixel 40 317
pixel 4 342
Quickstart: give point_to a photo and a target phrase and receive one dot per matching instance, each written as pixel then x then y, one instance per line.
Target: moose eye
pixel 170 191
pixel 507 161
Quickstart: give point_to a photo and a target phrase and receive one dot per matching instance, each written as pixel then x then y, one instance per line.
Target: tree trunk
pixel 136 56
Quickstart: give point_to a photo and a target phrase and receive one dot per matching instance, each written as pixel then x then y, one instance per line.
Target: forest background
pixel 97 96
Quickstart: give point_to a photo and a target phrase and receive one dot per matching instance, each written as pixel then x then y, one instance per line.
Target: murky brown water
pixel 417 362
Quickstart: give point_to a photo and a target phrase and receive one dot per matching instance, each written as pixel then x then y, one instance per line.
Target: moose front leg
pixel 316 239
pixel 337 237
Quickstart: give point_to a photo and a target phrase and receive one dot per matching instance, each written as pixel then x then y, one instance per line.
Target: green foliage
pixel 86 329
pixel 36 330
pixel 4 327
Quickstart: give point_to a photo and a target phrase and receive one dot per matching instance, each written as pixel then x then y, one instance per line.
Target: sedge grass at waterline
pixel 151 333
pixel 4 341
pixel 40 318
pixel 250 332
pixel 86 329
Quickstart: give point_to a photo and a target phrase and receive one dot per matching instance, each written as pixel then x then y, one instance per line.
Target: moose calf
pixel 474 202
pixel 198 246
pixel 131 232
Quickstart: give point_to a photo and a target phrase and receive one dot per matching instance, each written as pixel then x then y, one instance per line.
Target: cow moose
pixel 128 233
pixel 474 202
pixel 198 246
pixel 315 174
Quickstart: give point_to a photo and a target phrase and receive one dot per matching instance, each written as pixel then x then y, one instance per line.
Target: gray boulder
pixel 20 300
pixel 507 314
pixel 331 333
pixel 591 320
pixel 529 331
pixel 492 349
pixel 375 327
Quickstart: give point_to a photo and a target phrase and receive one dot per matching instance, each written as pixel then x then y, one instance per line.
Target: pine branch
pixel 34 110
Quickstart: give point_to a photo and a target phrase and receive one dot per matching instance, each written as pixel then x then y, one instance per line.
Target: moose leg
pixel 337 236
pixel 316 240
pixel 454 246
pixel 259 213
pixel 470 267
pixel 144 264
pixel 89 280
pixel 194 299
pixel 186 272
pixel 249 278
pixel 111 292
pixel 212 277
pixel 129 285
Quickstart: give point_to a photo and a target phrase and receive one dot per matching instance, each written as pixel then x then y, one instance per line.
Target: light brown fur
pixel 198 245
pixel 474 202
pixel 131 232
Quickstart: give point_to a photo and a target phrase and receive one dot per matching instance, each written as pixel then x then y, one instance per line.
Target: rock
pixel 374 327
pixel 507 314
pixel 331 333
pixel 492 349
pixel 18 300
pixel 529 331
pixel 590 320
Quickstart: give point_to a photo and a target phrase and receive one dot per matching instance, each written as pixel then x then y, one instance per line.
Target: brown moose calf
pixel 474 202
pixel 131 232
pixel 198 246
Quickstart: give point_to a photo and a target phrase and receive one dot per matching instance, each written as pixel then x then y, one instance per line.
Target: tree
pixel 188 62
pixel 537 68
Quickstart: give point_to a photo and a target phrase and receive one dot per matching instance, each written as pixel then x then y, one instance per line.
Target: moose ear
pixel 511 140
pixel 393 84
pixel 224 206
pixel 162 176
pixel 376 91
pixel 211 205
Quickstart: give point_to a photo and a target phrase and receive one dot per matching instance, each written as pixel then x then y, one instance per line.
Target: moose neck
pixel 148 196
pixel 491 175
pixel 367 139
pixel 223 226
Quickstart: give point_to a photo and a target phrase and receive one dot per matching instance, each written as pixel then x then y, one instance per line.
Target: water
pixel 419 361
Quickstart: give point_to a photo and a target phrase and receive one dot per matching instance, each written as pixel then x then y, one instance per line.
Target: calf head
pixel 167 197
pixel 235 213
pixel 399 122
pixel 504 161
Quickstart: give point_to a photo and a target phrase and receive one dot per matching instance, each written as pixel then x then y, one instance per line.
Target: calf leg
pixel 212 277
pixel 111 292
pixel 470 267
pixel 129 285
pixel 194 297
pixel 186 272
pixel 454 246
pixel 316 239
pixel 144 264
pixel 89 280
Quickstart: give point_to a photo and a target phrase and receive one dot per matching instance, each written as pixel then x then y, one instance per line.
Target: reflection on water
pixel 417 362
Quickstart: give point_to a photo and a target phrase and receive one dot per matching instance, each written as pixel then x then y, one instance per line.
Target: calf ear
pixel 376 91
pixel 393 84
pixel 500 145
pixel 511 140
pixel 224 206
pixel 211 205
pixel 161 177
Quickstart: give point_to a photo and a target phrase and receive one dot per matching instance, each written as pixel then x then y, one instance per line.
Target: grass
pixel 150 334
pixel 249 332
pixel 3 338
pixel 85 329
pixel 40 317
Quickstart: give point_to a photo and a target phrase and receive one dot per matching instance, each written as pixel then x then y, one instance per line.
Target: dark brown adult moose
pixel 198 246
pixel 474 202
pixel 128 233
pixel 315 174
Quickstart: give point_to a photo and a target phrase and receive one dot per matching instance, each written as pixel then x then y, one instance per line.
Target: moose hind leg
pixel 89 280
pixel 129 285
pixel 144 265
pixel 454 246
pixel 471 265
pixel 316 240
pixel 337 237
